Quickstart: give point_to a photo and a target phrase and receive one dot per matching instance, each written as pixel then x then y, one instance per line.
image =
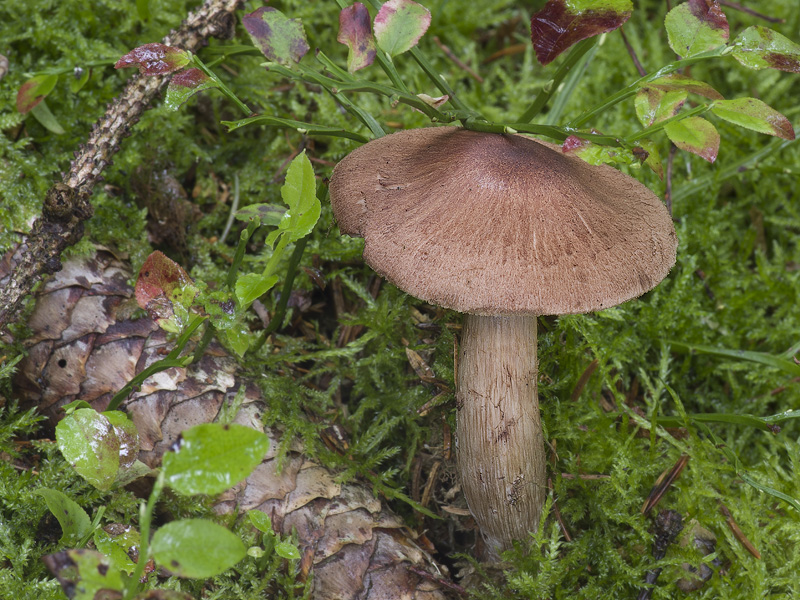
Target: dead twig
pixel 66 205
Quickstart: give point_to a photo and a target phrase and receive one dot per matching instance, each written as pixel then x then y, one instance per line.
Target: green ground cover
pixel 732 297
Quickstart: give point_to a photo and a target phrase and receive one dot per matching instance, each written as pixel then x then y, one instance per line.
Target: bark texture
pixel 85 345
pixel 499 430
pixel 66 206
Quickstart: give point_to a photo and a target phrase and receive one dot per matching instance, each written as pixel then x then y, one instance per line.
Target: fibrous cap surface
pixel 501 224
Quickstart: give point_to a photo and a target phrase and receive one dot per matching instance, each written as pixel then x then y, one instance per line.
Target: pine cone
pixel 86 346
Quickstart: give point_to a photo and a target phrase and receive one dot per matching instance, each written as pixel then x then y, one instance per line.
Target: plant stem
pixel 307 128
pixel 551 86
pixel 171 360
pixel 286 291
pixel 145 519
pixel 647 131
pixel 222 87
pixel 630 90
pixel 551 131
pixel 241 248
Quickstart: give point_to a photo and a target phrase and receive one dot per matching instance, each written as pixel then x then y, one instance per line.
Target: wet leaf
pixel 165 291
pixel 653 105
pixel 696 26
pixel 196 548
pixel 186 84
pixel 695 135
pixel 212 458
pixel 260 521
pixel 238 336
pixel 79 78
pixel 155 59
pixel 116 547
pixel 562 23
pixel 754 114
pixel 399 25
pixel 75 523
pixel 299 192
pixel 279 38
pixel 251 286
pixel 355 31
pixel 676 82
pixel 89 443
pixel 34 91
pixel 758 48
pixel 128 437
pixel 85 575
pixel 287 550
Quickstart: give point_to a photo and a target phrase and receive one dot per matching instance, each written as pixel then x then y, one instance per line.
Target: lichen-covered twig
pixel 66 206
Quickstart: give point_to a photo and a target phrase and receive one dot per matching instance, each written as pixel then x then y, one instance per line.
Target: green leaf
pixel 676 81
pixel 653 159
pixel 770 360
pixel 653 104
pixel 75 523
pixel 399 25
pixel 211 458
pixel 252 286
pixel 279 38
pixel 89 443
pixel 287 550
pixel 79 79
pixel 41 112
pixel 238 336
pixel 196 548
pixel 758 48
pixel 595 154
pixel 754 114
pixel 85 574
pixel 260 521
pixel 116 547
pixel 696 26
pixel 268 214
pixel 299 192
pixel 695 135
pixel 33 91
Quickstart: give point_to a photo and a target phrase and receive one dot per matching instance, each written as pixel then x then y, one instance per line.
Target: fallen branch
pixel 66 205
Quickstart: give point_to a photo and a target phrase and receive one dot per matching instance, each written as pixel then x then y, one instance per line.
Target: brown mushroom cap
pixel 501 224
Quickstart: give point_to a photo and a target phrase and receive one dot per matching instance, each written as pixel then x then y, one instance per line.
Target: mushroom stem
pixel 499 431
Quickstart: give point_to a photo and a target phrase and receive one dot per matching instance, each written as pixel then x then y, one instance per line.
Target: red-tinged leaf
pixel 34 91
pixel 696 26
pixel 185 84
pixel 562 23
pixel 279 38
pixel 653 159
pixel 355 31
pixel 754 114
pixel 573 143
pixel 695 135
pixel 155 59
pixel 758 48
pixel 676 81
pixel 399 25
pixel 653 105
pixel 160 278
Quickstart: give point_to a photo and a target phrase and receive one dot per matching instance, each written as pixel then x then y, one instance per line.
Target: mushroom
pixel 503 228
